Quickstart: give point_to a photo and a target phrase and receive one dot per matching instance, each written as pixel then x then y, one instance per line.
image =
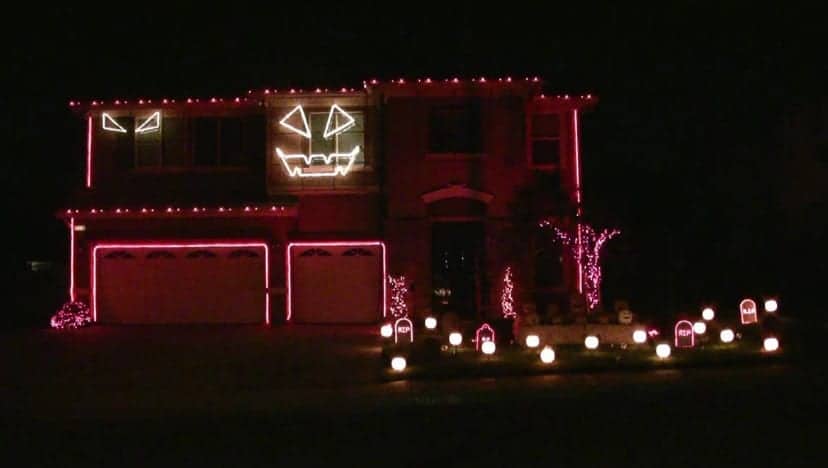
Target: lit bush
pixel 71 315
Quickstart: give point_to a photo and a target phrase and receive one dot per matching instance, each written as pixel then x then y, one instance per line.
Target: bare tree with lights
pixel 584 246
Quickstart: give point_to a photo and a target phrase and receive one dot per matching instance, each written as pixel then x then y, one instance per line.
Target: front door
pixel 456 261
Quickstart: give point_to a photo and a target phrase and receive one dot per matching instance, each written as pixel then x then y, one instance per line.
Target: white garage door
pixel 175 283
pixel 336 283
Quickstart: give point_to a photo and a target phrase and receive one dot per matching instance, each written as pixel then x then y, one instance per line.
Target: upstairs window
pixel 455 129
pixel 545 141
pixel 342 142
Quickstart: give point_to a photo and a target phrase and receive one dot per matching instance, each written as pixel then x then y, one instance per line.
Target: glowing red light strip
pixel 89 152
pixel 263 245
pixel 72 259
pixel 577 154
pixel 289 280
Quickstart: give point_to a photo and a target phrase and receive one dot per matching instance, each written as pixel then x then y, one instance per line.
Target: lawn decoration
pixel 747 311
pixel 483 334
pixel 684 335
pixel 403 330
pixel 73 314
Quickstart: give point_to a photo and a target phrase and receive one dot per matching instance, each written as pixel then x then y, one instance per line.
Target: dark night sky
pixel 686 151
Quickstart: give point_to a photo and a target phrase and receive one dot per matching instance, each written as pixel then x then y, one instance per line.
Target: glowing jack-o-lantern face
pixel 318 165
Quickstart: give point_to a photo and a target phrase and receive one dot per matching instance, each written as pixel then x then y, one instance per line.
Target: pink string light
pixel 507 302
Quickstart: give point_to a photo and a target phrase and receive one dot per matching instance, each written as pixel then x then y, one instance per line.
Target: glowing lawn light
pixel 771 305
pixel 398 363
pixel 708 313
pixel 663 351
pixel 591 342
pixel 431 323
pixel 455 339
pixel 639 336
pixel 699 328
pixel 547 355
pixel 770 344
pixel 387 330
pixel 488 347
pixel 727 335
pixel 532 341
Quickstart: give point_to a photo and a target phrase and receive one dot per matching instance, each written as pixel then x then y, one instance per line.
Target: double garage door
pixel 190 283
pixel 228 283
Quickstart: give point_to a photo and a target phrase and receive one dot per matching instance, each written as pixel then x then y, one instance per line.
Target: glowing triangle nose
pixel 338 122
pixel 296 121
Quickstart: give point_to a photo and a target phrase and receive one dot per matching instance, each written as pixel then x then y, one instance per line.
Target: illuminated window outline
pixel 288 260
pixel 152 123
pixel 107 121
pixel 183 245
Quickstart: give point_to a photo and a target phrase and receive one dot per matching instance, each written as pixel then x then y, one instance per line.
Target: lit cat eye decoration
pixel 153 123
pixel 109 124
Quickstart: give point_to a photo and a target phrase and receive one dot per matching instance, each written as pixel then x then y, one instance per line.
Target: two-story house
pixel 296 206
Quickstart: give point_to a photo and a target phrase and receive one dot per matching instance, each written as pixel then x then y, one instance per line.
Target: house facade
pixel 296 206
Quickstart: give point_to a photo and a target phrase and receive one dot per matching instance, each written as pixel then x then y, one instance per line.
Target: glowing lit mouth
pixel 318 165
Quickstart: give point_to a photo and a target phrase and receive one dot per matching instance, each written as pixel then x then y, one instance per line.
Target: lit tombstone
pixel 770 344
pixel 488 347
pixel 747 311
pixel 708 313
pixel 591 342
pixel 532 341
pixel 398 363
pixel 625 317
pixel 455 339
pixel 403 330
pixel 684 335
pixel 663 350
pixel 547 355
pixel 387 330
pixel 771 305
pixel 699 328
pixel 483 334
pixel 727 335
pixel 430 323
pixel 639 336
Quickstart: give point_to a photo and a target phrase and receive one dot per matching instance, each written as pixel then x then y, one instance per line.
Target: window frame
pixel 531 138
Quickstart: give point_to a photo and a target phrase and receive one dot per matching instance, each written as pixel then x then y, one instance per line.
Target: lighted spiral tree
pixel 507 302
pixel 584 247
pixel 399 296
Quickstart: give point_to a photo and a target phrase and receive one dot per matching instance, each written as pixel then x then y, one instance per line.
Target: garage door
pixel 180 283
pixel 336 282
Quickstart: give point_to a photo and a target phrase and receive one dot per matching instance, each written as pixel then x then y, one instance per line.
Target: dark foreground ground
pixel 253 396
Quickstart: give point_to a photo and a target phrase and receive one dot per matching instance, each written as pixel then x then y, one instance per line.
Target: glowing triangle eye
pixel 345 122
pixel 109 124
pixel 152 123
pixel 296 121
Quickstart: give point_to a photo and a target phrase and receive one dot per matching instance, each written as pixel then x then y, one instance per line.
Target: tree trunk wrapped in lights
pixel 507 302
pixel 584 247
pixel 399 296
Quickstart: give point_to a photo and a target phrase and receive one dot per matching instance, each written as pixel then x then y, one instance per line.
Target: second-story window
pixel 545 141
pixel 455 128
pixel 342 142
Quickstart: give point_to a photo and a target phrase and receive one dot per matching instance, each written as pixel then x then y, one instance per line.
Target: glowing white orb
pixel 455 339
pixel 639 336
pixel 663 350
pixel 708 313
pixel 726 335
pixel 431 323
pixel 387 331
pixel 532 341
pixel 488 347
pixel 699 328
pixel 591 342
pixel 398 363
pixel 771 344
pixel 771 305
pixel 547 355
